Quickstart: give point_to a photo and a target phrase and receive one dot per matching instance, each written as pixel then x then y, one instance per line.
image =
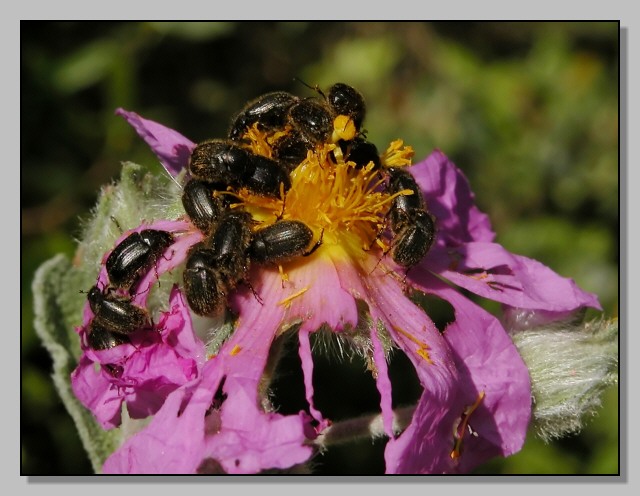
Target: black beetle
pixel 135 255
pixel 100 337
pixel 202 206
pixel 215 266
pixel 346 100
pixel 269 111
pixel 204 286
pixel 115 312
pixel 313 119
pixel 221 161
pixel 361 152
pixel 283 240
pixel 413 227
pixel 291 149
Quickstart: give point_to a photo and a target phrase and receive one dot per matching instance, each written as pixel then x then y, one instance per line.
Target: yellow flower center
pixel 341 202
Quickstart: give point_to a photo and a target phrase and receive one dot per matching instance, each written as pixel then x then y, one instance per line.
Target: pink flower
pixel 143 372
pixel 211 416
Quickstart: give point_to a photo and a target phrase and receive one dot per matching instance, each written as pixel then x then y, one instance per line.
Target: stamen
pixel 397 155
pixel 259 141
pixel 283 275
pixel 423 348
pixel 347 203
pixel 293 296
pixel 235 350
pixel 462 425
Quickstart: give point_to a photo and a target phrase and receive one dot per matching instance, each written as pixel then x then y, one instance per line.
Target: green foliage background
pixel 529 111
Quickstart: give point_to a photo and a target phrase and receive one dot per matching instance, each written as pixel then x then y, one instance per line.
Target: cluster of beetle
pixel 115 314
pixel 216 265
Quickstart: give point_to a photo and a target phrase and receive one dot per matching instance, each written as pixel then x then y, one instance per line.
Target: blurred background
pixel 528 110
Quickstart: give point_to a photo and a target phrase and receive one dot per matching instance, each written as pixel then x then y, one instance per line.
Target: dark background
pixel 529 111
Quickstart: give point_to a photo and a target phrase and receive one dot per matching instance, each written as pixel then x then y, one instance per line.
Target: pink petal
pixel 383 383
pixel 173 149
pixel 320 300
pixel 414 332
pixel 152 366
pixel 173 442
pixel 307 372
pixel 489 270
pixel 218 419
pixel 492 376
pixel 450 199
pixel 95 391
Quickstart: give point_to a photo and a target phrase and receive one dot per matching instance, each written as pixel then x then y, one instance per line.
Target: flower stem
pixel 367 426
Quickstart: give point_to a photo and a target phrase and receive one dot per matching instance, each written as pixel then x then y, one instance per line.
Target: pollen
pixel 286 301
pixel 260 142
pixel 345 203
pixel 423 348
pixel 343 129
pixel 463 425
pixel 397 155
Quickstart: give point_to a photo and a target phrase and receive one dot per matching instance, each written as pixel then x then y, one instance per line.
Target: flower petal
pixel 489 270
pixel 154 364
pixel 450 199
pixel 383 383
pixel 95 391
pixel 491 364
pixel 170 146
pixel 414 332
pixel 316 295
pixel 307 373
pixel 251 439
pixel 490 410
pixel 218 422
pixel 173 442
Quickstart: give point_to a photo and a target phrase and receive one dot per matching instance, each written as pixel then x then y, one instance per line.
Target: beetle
pixel 100 337
pixel 135 255
pixel 346 100
pixel 280 241
pixel 115 312
pixel 215 266
pixel 314 118
pixel 412 225
pixel 202 206
pixel 204 286
pixel 291 149
pixel 361 152
pixel 269 111
pixel 221 161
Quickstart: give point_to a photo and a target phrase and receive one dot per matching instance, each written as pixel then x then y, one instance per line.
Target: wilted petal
pixel 306 361
pixel 218 420
pixel 383 383
pixel 415 333
pixel 156 363
pixel 173 441
pixel 96 392
pixel 170 146
pixel 251 439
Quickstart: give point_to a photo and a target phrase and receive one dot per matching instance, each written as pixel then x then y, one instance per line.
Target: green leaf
pixel 54 317
pixel 59 288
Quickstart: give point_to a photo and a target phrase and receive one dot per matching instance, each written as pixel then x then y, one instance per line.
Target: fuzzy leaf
pixel 570 366
pixel 53 303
